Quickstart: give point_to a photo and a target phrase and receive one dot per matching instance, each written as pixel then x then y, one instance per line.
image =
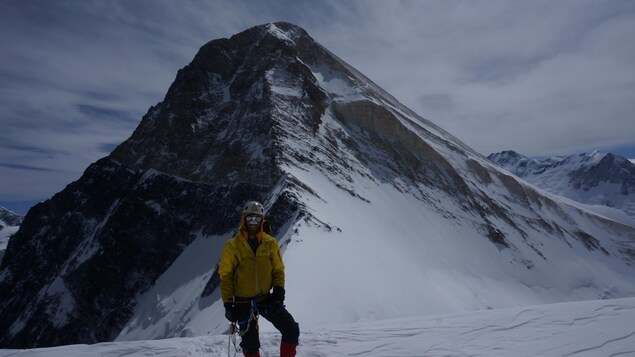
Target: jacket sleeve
pixel 226 270
pixel 278 265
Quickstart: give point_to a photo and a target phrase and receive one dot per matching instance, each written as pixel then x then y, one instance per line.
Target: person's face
pixel 253 222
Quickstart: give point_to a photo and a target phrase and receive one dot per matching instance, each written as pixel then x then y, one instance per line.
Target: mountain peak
pixel 506 155
pixel 284 30
pixel 246 92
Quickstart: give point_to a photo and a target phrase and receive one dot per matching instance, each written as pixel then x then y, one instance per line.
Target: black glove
pixel 277 294
pixel 230 311
pixel 275 300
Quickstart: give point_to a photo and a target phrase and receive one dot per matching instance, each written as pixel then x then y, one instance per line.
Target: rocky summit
pixel 363 194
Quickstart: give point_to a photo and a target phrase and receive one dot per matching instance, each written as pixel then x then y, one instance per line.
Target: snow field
pixel 581 329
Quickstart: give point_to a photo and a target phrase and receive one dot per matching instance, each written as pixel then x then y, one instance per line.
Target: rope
pixel 232 339
pixel 253 316
pixel 234 328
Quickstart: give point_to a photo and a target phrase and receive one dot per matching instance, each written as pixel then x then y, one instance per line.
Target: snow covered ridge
pixel 589 328
pixel 380 213
pixel 593 178
pixel 9 224
pixel 9 218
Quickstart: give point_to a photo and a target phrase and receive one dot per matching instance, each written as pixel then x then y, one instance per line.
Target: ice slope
pixel 588 328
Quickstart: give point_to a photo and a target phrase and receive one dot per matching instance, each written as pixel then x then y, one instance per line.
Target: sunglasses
pixel 255 219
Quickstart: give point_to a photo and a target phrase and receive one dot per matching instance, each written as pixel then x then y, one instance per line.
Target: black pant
pixel 274 312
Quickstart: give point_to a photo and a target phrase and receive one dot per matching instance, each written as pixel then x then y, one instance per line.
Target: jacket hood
pixel 242 230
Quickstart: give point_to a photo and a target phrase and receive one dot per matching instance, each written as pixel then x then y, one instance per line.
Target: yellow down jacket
pixel 245 274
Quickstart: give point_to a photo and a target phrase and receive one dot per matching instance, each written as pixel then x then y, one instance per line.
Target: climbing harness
pixel 234 327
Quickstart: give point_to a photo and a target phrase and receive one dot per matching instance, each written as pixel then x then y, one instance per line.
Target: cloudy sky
pixel 541 77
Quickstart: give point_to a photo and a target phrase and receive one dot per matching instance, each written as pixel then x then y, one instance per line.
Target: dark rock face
pixel 217 122
pixel 101 242
pixel 74 270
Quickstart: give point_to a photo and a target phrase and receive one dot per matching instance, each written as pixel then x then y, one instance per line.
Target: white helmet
pixel 254 207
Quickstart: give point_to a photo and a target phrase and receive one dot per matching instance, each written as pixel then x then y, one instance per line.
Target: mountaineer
pixel 252 283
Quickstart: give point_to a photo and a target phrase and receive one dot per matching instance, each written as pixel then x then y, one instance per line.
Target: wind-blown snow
pixel 589 328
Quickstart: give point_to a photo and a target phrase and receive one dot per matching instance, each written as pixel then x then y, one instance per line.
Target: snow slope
pixel 360 262
pixel 588 328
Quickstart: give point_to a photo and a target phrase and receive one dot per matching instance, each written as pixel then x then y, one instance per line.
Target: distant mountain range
pixel 593 178
pixel 9 218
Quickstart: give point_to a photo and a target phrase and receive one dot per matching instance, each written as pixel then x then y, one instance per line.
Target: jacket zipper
pixel 257 285
pixel 256 270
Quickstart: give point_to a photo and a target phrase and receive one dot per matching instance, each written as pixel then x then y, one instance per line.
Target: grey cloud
pixel 541 77
pixel 29 149
pixel 98 112
pixel 25 167
pixel 437 102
